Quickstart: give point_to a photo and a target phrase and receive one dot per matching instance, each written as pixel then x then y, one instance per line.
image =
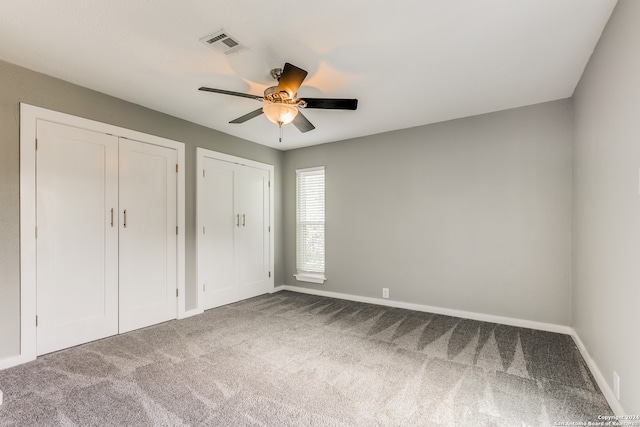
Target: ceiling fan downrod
pixel 276 73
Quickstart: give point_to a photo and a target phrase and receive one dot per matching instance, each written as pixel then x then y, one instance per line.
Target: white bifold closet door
pixel 101 271
pixel 216 245
pixel 252 247
pixel 233 243
pixel 77 243
pixel 148 236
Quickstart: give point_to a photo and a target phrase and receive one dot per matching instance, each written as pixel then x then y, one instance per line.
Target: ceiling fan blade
pixel 228 92
pixel 302 123
pixel 248 116
pixel 331 103
pixel 291 79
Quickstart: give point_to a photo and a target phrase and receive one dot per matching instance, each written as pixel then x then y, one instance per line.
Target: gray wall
pixel 472 214
pixel 20 85
pixel 606 243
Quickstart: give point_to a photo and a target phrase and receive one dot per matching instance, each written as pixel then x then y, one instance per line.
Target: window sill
pixel 311 278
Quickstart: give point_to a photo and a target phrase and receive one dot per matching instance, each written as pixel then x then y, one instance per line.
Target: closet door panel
pixel 233 229
pixel 147 234
pixel 77 249
pixel 218 222
pixel 253 240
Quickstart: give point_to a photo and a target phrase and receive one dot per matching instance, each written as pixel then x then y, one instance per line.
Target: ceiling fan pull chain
pixel 280 126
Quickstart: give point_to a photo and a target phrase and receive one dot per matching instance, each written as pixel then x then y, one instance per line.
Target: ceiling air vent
pixel 223 42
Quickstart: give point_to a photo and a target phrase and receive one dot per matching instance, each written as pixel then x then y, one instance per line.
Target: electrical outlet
pixel 616 385
pixel 385 292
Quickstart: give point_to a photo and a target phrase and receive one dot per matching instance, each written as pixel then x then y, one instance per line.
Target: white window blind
pixel 310 224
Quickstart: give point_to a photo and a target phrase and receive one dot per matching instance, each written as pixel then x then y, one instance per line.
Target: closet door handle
pixel 112 217
pixel 244 223
pixel 125 219
pixel 237 220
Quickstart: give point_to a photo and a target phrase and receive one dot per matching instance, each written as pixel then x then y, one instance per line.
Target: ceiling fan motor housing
pixel 272 95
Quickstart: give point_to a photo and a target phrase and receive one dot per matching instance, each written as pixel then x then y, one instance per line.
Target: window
pixel 310 225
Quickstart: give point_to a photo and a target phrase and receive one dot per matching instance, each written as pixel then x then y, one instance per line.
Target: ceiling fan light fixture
pixel 279 113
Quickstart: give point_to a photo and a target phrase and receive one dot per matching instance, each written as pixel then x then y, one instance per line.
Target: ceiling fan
pixel 282 105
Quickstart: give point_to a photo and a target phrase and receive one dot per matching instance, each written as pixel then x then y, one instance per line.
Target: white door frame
pixel 29 115
pixel 201 153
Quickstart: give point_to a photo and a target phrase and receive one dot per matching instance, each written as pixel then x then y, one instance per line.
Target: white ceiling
pixel 409 62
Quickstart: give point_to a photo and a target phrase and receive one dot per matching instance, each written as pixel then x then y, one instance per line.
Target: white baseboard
pixel 593 367
pixel 10 362
pixel 549 327
pixel 614 403
pixel 277 289
pixel 189 313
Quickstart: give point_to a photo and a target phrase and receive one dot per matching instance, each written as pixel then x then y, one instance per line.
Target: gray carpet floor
pixel 291 359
